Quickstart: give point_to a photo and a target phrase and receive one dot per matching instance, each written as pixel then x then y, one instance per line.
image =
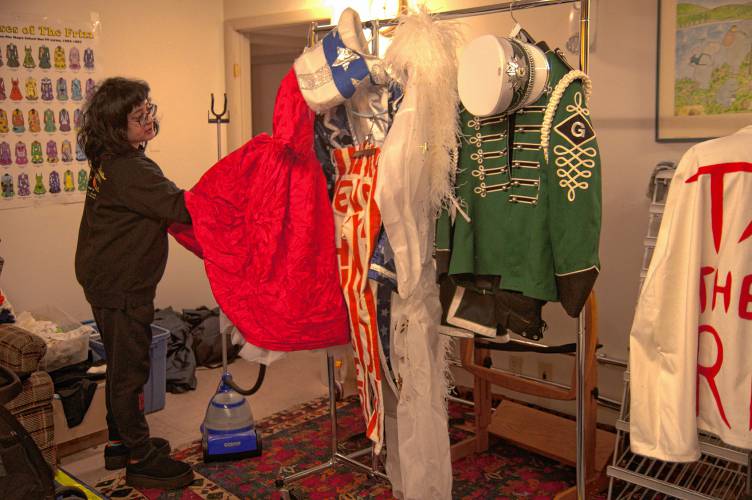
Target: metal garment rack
pixel 720 473
pixel 498 8
pixel 375 25
pixel 336 457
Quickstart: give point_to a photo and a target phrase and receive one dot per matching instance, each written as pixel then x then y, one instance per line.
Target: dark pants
pixel 126 334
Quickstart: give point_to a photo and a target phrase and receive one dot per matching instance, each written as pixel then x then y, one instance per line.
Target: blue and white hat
pixel 330 72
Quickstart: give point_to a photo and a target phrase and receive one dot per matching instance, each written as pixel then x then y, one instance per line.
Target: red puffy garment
pixel 263 223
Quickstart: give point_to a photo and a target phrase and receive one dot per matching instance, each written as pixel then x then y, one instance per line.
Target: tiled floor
pixel 296 378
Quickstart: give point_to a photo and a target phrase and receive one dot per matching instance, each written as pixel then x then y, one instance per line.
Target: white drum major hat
pixel 331 71
pixel 498 74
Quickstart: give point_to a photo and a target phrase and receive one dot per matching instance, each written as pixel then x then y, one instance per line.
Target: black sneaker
pixel 116 457
pixel 158 471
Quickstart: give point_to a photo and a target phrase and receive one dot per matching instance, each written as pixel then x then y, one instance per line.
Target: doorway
pixel 272 51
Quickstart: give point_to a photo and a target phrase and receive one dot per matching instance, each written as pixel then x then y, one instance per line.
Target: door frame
pixel 238 64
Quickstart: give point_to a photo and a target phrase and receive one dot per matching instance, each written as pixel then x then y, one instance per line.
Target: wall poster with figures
pixel 47 70
pixel 704 68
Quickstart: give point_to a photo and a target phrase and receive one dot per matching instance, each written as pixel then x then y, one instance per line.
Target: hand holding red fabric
pixel 264 226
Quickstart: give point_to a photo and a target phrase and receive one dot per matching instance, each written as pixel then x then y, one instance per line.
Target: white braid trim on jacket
pixel 553 103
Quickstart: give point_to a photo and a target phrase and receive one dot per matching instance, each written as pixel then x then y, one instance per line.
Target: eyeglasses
pixel 151 112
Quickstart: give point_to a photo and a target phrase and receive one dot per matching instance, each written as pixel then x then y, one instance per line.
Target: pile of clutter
pixel 67 340
pixel 194 341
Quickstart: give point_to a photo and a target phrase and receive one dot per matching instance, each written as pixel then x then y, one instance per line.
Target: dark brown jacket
pixel 122 241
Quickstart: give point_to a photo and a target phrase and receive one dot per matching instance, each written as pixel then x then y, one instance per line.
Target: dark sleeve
pixel 143 188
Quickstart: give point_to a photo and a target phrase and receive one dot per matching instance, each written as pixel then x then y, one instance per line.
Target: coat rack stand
pixel 583 391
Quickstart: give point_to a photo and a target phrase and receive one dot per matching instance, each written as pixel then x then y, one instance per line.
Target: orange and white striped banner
pixel 357 222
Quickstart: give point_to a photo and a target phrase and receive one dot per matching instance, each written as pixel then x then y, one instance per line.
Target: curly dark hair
pixel 104 121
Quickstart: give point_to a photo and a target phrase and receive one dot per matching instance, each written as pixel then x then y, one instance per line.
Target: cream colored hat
pixel 498 74
pixel 331 71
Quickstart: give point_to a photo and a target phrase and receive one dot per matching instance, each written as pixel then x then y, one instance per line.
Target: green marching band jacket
pixel 525 223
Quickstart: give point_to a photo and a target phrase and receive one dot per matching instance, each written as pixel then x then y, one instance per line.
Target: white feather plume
pixel 423 54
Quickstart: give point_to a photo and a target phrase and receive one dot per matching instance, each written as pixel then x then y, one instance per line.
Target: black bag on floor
pixel 24 473
pixel 207 342
pixel 181 362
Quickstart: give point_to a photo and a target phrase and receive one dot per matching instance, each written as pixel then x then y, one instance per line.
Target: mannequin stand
pixel 336 458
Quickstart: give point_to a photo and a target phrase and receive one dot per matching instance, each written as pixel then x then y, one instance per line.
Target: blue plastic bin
pixel 156 386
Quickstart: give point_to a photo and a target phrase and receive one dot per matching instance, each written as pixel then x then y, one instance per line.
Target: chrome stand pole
pixel 336 457
pixel 581 341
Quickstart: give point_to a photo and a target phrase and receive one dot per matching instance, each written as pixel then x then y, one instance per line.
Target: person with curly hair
pixel 120 258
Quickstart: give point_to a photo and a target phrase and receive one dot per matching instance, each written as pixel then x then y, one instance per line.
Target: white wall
pixel 234 9
pixel 177 46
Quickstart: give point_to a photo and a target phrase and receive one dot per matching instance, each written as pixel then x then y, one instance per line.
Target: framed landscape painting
pixel 704 87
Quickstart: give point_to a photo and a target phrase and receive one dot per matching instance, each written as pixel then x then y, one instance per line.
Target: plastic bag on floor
pixel 67 340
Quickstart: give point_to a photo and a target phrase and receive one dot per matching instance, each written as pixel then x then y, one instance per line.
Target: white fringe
pixel 446 351
pixel 423 53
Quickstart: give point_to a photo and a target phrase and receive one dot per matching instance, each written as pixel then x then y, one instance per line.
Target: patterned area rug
pixel 299 438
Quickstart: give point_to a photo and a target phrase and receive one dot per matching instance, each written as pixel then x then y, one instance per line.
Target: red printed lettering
pixel 366 191
pixel 704 271
pixel 710 372
pixel 745 298
pixel 724 290
pixel 716 174
pixel 356 202
pixel 341 196
pixel 343 255
pixel 746 234
pixel 727 291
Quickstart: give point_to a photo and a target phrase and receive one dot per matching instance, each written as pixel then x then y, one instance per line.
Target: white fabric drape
pixel 692 334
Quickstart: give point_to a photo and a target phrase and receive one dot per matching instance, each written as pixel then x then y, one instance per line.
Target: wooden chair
pixel 539 431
